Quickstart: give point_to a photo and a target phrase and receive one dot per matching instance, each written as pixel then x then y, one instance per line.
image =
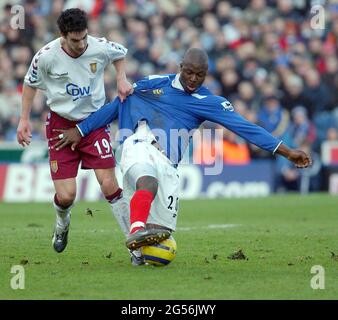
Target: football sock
pixel 62 214
pixel 140 205
pixel 120 209
pixel 137 252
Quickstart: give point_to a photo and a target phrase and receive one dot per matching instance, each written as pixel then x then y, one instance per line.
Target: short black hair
pixel 196 55
pixel 72 20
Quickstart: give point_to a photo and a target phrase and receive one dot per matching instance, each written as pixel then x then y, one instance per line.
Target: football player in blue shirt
pixel 151 122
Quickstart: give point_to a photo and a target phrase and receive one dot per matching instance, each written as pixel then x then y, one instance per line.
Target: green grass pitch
pixel 282 237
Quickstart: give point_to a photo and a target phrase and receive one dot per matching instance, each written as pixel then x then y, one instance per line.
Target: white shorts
pixel 140 158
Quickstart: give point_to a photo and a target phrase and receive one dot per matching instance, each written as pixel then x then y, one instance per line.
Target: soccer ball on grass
pixel 160 254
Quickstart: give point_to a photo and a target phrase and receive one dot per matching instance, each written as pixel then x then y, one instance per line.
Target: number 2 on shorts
pixel 170 206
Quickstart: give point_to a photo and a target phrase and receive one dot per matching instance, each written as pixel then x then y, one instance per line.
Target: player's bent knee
pixel 66 199
pixel 108 185
pixel 147 183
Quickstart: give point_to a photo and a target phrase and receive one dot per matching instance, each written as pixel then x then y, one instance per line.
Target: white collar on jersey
pixel 176 83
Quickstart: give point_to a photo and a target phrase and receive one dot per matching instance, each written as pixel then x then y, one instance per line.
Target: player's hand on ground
pixel 124 89
pixel 300 158
pixel 66 137
pixel 24 132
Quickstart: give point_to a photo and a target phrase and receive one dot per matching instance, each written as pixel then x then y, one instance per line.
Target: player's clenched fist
pixel 124 89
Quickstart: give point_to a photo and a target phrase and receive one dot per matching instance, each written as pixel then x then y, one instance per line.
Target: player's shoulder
pixel 97 41
pixel 47 53
pixel 204 94
pixel 207 97
pixel 154 81
pixel 101 44
pixel 161 78
pixel 50 47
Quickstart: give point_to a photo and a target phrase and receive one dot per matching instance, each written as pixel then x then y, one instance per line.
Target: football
pixel 160 254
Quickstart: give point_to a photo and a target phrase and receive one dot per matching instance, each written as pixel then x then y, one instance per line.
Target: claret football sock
pixel 140 205
pixel 62 214
pixel 120 209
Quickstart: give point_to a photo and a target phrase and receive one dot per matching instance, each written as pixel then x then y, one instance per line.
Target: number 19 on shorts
pixel 103 146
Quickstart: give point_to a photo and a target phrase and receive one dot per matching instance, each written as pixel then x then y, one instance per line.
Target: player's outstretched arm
pixel 24 132
pixel 96 120
pixel 298 157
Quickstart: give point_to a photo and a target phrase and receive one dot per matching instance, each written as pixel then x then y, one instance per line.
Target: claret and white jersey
pixel 74 86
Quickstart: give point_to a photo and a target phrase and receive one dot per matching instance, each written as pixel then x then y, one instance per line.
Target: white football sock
pixel 120 209
pixel 62 217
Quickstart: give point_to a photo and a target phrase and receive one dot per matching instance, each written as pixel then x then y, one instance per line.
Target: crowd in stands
pixel 275 60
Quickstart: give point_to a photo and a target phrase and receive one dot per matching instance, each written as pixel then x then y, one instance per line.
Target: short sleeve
pixel 114 50
pixel 36 72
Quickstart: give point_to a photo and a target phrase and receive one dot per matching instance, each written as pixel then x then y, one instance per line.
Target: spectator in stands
pixel 273 117
pixel 301 129
pixel 317 92
pixel 293 96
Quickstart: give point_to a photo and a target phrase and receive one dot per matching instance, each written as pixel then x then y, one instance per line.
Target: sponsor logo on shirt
pixel 158 92
pixel 77 92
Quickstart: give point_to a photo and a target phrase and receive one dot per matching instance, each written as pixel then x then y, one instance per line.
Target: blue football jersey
pixel 173 115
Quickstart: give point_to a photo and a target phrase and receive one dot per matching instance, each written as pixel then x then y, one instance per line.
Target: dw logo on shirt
pixel 77 92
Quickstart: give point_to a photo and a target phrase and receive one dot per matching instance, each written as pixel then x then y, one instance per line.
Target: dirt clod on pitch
pixel 109 255
pixel 239 255
pixel 34 225
pixel 23 262
pixel 334 256
pixel 89 212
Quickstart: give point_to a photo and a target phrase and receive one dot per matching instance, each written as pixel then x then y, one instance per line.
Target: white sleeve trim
pixel 157 76
pixel 274 151
pixel 78 128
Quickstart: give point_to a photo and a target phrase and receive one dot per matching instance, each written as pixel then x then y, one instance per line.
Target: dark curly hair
pixel 72 20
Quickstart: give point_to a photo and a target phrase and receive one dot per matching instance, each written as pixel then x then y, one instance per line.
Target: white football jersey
pixel 74 86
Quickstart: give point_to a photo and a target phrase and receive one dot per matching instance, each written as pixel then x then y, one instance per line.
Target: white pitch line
pixel 210 226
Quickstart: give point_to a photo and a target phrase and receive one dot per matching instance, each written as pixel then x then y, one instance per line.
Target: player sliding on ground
pixel 164 104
